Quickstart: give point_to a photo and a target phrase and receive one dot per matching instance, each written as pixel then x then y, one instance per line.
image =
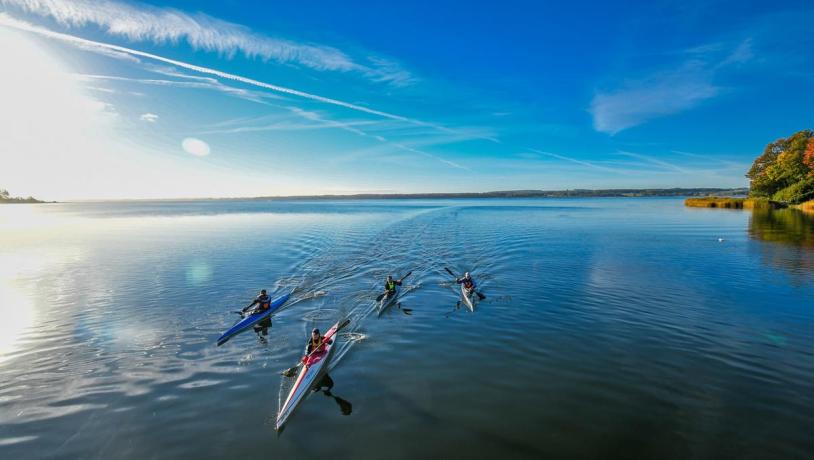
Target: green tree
pixel 781 165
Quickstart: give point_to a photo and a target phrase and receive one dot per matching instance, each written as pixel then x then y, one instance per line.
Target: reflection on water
pixel 788 226
pixel 16 315
pixel 793 229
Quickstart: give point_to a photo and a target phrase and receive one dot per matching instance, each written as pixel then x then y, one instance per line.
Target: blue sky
pixel 114 99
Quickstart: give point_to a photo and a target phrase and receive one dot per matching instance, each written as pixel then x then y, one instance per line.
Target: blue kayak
pixel 252 319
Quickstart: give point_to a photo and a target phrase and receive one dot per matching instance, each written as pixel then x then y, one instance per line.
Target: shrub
pixel 797 192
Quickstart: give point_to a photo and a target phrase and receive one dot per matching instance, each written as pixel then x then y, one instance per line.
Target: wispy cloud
pixel 689 83
pixel 144 23
pixel 148 117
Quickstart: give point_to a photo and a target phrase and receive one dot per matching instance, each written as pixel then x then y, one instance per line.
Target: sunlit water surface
pixel 612 328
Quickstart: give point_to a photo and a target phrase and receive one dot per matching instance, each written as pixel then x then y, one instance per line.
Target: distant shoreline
pixel 575 193
pixel 23 201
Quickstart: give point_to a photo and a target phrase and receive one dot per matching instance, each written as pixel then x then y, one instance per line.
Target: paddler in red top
pixel 316 348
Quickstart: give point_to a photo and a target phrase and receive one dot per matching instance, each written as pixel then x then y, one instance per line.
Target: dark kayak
pixel 251 320
pixel 388 300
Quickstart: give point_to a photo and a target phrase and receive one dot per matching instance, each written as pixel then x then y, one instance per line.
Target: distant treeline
pixel 576 193
pixel 5 197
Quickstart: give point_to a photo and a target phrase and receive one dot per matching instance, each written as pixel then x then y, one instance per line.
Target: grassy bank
pixel 732 203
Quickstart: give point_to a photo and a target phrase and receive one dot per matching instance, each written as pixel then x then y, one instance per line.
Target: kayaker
pixel 263 302
pixel 316 346
pixel 467 281
pixel 390 285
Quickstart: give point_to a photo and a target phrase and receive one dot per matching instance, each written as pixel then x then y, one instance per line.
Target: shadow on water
pixel 325 386
pixel 262 330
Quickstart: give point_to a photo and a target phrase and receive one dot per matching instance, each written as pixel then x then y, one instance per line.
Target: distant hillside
pixel 683 192
pixel 5 197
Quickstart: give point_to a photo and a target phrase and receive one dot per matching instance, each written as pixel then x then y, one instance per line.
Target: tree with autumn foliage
pixel 785 170
pixel 808 157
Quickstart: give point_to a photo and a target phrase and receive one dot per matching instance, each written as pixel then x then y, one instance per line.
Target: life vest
pixel 314 345
pixel 264 302
pixel 390 286
pixel 468 283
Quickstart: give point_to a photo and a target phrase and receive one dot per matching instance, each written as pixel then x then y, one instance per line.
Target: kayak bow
pixel 252 319
pixel 308 376
pixel 468 297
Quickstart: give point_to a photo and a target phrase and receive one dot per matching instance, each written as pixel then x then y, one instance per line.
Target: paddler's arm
pixel 246 308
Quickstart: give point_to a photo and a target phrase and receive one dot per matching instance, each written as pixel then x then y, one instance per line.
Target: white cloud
pixel 195 146
pixel 148 117
pixel 666 92
pixel 140 23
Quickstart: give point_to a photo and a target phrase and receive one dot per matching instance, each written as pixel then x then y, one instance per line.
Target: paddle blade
pixel 343 324
pixel 480 296
pixel 380 297
pixel 450 272
pixel 405 276
pixel 290 372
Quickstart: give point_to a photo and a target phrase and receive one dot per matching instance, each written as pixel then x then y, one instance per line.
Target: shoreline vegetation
pixel 5 197
pixel 782 176
pixel 733 203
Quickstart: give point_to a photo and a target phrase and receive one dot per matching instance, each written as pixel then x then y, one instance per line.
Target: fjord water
pixel 612 328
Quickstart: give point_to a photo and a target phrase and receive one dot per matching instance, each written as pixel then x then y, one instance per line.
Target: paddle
pixel 480 296
pixel 291 371
pixel 381 296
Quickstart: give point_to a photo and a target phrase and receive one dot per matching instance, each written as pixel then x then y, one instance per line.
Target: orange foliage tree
pixel 808 157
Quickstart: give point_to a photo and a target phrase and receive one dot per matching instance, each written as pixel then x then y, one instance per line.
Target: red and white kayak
pixel 310 374
pixel 469 297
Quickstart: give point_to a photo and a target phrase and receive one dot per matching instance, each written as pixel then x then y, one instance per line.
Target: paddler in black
pixel 467 281
pixel 263 302
pixel 390 285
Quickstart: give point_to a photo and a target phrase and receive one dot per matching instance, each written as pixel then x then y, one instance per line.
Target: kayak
pixel 388 300
pixel 252 319
pixel 308 376
pixel 468 298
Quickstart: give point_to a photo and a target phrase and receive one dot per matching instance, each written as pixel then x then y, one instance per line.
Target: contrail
pixel 8 21
pixel 574 160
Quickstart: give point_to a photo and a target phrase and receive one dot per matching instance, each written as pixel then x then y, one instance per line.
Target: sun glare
pixel 52 136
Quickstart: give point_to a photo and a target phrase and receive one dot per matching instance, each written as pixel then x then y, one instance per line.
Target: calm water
pixel 612 328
